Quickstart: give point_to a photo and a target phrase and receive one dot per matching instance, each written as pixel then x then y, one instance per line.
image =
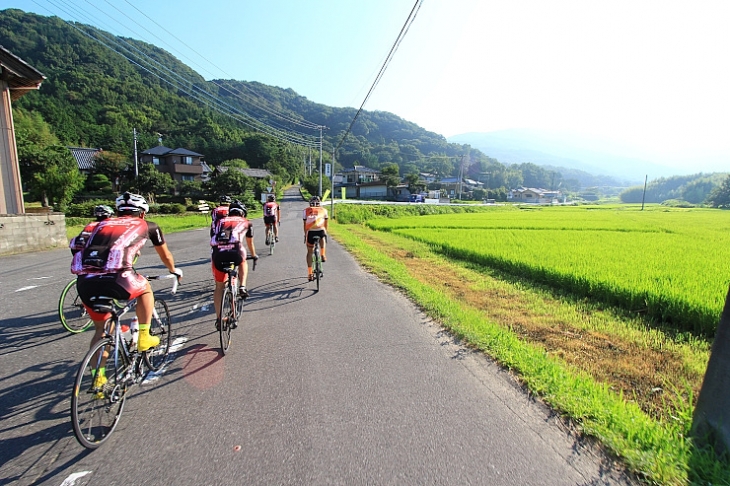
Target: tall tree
pixel 720 197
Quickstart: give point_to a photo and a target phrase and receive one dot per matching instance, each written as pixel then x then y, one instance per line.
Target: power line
pixel 393 49
pixel 187 86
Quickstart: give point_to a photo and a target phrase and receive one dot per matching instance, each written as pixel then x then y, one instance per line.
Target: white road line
pixel 71 480
pixel 26 288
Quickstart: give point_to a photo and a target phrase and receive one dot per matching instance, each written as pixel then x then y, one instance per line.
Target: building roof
pixel 360 168
pixel 163 151
pixel 84 156
pixel 19 75
pixel 255 173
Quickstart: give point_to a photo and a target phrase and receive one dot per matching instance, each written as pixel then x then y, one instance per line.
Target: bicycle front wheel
pixel 71 310
pixel 317 269
pixel 160 327
pixel 227 317
pixel 97 401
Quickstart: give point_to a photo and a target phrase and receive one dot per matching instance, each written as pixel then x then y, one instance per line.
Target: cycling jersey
pixel 227 244
pixel 218 213
pixel 78 242
pixel 314 218
pixel 271 209
pixel 114 245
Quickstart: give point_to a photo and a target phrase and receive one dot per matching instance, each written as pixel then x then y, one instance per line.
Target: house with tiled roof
pixel 182 164
pixel 534 195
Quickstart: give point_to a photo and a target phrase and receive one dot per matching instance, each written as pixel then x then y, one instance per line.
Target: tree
pixel 720 196
pixel 390 175
pixel 415 184
pixel 111 164
pixel 60 178
pixel 153 182
pixel 440 166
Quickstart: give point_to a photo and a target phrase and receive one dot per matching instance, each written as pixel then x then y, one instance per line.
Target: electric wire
pixel 393 49
pixel 212 102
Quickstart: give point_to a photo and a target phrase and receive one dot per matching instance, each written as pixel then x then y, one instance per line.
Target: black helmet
pixel 270 198
pixel 225 200
pixel 237 209
pixel 102 212
pixel 314 201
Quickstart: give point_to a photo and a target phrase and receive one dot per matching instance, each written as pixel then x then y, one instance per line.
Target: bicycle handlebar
pixel 163 277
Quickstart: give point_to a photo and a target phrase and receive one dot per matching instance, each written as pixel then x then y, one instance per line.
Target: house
pixel 360 174
pixel 182 164
pixel 534 195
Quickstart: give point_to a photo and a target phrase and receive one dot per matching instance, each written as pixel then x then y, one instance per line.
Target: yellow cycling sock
pixel 101 371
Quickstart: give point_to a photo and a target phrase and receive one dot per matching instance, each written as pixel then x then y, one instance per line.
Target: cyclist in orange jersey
pixel 316 220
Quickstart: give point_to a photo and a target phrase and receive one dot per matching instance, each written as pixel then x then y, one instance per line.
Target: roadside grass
pixel 626 383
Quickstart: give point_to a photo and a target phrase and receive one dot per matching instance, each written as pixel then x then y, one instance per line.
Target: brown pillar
pixel 11 191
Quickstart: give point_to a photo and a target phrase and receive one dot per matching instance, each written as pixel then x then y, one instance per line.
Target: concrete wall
pixel 23 233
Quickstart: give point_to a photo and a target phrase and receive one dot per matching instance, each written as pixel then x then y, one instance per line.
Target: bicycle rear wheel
pixel 317 267
pixel 71 310
pixel 226 319
pixel 271 239
pixel 160 327
pixel 96 406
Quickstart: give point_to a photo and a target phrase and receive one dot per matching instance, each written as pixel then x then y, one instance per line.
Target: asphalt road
pixel 351 385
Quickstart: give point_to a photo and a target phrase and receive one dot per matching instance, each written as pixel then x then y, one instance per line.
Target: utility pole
pixel 136 162
pixel 643 197
pixel 332 190
pixel 320 161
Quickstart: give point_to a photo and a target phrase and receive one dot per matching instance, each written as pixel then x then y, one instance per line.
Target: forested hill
pixel 94 97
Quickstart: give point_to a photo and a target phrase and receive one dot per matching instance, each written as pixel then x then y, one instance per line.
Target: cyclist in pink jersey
pixel 272 215
pixel 78 242
pixel 104 265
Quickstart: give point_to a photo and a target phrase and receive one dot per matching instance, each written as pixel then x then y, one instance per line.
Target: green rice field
pixel 670 265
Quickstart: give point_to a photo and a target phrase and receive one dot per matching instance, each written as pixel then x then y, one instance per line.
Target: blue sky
pixel 653 75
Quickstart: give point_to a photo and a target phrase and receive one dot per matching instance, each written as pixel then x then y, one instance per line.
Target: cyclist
pixel 272 215
pixel 227 246
pixel 219 213
pixel 104 267
pixel 316 220
pixel 101 212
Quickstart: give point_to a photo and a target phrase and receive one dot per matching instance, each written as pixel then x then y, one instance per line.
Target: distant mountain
pixel 558 150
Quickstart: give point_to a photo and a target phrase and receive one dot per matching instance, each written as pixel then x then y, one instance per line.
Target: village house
pixel 534 196
pixel 182 164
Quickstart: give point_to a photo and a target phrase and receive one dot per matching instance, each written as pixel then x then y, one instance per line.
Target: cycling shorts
pixel 220 259
pixel 312 233
pixel 126 285
pixel 269 219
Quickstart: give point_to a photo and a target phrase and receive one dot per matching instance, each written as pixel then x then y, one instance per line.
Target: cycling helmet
pixel 131 203
pixel 271 198
pixel 102 212
pixel 237 209
pixel 314 201
pixel 225 200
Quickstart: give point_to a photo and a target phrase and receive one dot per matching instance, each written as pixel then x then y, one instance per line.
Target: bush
pixel 85 209
pixel 171 208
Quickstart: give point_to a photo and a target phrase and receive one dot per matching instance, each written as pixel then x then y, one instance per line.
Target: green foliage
pixel 694 189
pixel 720 197
pixel 98 182
pixel 171 208
pixel 85 209
pixel 151 182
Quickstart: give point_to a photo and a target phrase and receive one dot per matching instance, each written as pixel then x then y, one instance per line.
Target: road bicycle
pixel 97 402
pixel 231 305
pixel 317 262
pixel 270 238
pixel 71 310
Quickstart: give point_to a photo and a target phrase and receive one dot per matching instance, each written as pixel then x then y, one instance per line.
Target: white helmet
pixel 132 203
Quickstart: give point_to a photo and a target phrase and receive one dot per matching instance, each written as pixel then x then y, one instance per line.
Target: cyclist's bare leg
pixel 322 245
pixel 218 297
pixel 145 307
pixel 276 230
